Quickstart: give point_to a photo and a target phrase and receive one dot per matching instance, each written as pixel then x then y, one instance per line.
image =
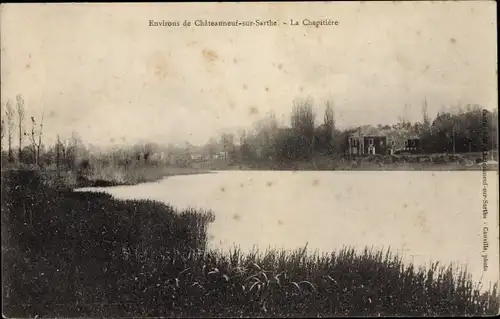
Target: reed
pixel 88 255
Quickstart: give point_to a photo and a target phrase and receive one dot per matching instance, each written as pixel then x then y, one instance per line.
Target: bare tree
pixel 268 135
pixel 242 134
pixel 2 130
pixel 329 116
pixel 58 155
pixel 36 144
pixel 64 152
pixel 425 116
pixel 405 115
pixel 227 141
pixel 272 123
pixel 20 118
pixel 143 150
pixel 329 121
pixel 303 118
pixel 72 147
pixel 424 127
pixel 10 113
pixel 211 147
pixel 78 148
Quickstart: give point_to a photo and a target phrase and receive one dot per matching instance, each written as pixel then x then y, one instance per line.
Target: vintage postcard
pixel 298 159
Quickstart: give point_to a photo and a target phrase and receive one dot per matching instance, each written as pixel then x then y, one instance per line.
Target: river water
pixel 426 216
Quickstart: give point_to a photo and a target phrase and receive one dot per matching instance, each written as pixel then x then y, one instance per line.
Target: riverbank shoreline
pixel 119 176
pixel 422 162
pixel 436 168
pixel 83 183
pixel 364 166
pixel 400 168
pixel 444 168
pixel 79 251
pixel 71 180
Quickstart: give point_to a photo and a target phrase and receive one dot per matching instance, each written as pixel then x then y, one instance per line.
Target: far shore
pixel 411 167
pixel 119 176
pixel 169 172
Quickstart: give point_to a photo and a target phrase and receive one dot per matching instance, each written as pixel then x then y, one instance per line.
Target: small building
pixel 412 145
pixel 367 140
pixel 222 155
pixel 196 157
pixel 403 141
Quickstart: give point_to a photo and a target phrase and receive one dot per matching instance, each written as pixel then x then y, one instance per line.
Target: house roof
pixel 367 130
pixel 393 134
pixel 400 134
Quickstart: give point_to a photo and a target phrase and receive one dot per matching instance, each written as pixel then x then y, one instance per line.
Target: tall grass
pixel 88 255
pixel 136 173
pixel 105 175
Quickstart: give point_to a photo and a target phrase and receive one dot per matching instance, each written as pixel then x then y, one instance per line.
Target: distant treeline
pixel 469 129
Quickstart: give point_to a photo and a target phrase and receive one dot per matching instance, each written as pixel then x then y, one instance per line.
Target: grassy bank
pixel 364 165
pixel 99 174
pixel 416 162
pixel 309 166
pixel 135 174
pixel 89 255
pixel 109 175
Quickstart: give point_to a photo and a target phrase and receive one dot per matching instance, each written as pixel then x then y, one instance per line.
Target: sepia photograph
pixel 258 159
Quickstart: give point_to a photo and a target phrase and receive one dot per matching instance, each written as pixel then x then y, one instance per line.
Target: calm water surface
pixel 424 215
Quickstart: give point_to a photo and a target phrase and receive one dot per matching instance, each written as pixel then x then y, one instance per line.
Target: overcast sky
pixel 102 71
